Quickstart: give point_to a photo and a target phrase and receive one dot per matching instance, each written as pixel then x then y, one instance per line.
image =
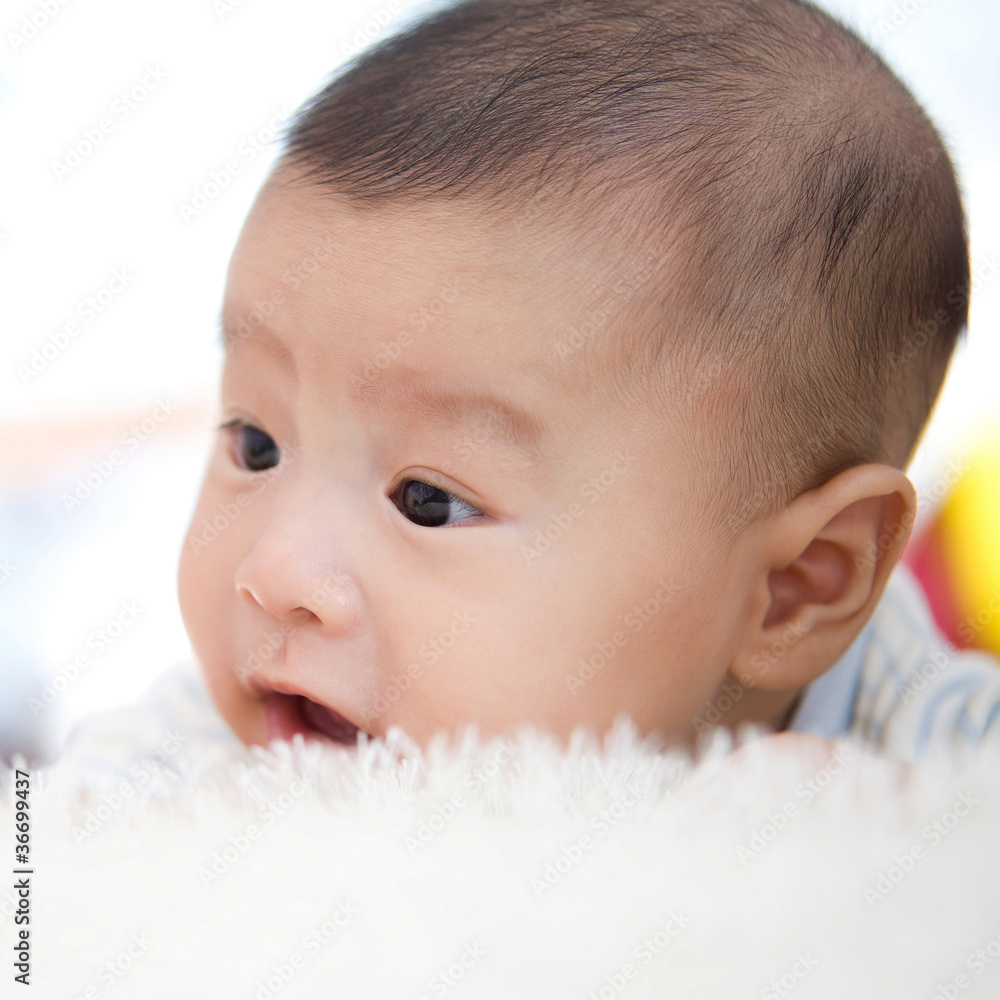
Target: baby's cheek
pixel 198 614
pixel 190 595
pixel 207 597
pixel 243 714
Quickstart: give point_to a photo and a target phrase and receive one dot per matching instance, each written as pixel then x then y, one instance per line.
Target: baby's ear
pixel 823 563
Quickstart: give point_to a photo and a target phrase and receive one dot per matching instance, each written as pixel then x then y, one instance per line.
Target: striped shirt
pixel 901 689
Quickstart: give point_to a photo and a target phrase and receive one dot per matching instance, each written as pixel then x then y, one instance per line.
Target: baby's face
pixel 421 511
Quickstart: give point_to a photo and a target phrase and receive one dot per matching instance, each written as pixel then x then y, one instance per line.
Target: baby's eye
pixel 253 449
pixel 429 506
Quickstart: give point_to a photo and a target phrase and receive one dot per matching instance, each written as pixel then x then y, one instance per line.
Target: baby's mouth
pixel 288 714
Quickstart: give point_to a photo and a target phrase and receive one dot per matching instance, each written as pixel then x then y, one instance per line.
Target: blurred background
pixel 138 135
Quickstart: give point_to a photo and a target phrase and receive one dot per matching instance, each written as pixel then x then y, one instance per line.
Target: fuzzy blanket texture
pixel 513 868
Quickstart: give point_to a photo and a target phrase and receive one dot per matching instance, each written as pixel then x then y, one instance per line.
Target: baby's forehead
pixel 453 289
pixel 491 235
pixel 430 253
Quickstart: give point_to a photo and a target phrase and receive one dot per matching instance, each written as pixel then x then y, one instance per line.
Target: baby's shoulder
pixel 918 693
pixel 152 740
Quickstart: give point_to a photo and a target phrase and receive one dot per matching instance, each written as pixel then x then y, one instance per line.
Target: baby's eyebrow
pixel 232 329
pixel 486 416
pixel 403 392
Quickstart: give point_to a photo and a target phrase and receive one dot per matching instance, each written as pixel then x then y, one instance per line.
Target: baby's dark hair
pixel 817 267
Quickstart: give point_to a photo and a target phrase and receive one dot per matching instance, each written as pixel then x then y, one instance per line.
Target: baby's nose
pixel 289 577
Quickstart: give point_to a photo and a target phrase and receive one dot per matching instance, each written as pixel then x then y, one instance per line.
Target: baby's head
pixel 574 352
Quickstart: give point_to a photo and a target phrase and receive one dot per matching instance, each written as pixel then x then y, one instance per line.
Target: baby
pixel 574 352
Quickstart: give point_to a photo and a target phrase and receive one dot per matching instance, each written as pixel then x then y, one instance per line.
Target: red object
pixel 926 557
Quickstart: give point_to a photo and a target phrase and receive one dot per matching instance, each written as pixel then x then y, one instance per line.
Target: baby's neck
pixel 736 704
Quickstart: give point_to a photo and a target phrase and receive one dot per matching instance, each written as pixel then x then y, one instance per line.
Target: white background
pixel 231 71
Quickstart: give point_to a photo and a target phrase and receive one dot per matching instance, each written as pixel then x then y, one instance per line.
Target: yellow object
pixel 970 519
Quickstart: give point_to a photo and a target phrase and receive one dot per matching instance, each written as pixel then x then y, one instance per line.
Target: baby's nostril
pixel 247 593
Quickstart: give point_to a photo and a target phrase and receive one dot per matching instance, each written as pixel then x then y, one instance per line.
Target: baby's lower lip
pixel 288 714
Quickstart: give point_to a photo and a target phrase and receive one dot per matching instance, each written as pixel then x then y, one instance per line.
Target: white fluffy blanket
pixel 514 869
